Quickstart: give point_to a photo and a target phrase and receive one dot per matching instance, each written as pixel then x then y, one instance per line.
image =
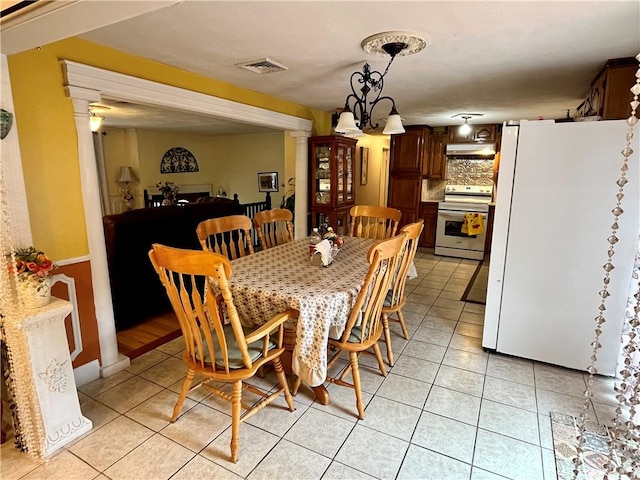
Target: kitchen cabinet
pixel 408 151
pixel 408 164
pixel 429 213
pixel 478 134
pixel 404 194
pixel 609 95
pixel 332 170
pixel 437 157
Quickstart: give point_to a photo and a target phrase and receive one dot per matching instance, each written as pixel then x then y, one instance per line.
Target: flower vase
pixel 35 292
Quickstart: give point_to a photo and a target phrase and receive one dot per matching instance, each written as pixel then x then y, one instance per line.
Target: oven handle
pixel 459 215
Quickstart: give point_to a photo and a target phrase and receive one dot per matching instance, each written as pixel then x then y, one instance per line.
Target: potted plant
pixel 170 192
pixel 32 270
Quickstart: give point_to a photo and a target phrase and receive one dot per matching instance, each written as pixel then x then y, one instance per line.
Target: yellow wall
pixel 239 162
pixel 153 144
pixel 249 154
pixel 48 141
pixel 370 194
pixel 116 149
pixel 289 167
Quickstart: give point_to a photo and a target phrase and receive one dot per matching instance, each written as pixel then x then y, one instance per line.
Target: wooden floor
pixel 148 335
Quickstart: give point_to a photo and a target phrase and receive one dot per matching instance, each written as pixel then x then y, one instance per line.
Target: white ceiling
pixel 507 60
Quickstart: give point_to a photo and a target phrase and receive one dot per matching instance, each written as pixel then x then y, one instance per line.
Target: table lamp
pixel 126 176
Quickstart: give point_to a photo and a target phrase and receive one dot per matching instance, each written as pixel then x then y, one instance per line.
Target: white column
pixel 302 182
pixel 111 362
pixel 53 374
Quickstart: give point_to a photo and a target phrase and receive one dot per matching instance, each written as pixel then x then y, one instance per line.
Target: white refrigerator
pixel 556 189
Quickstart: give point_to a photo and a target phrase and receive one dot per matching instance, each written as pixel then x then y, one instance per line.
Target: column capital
pixel 298 134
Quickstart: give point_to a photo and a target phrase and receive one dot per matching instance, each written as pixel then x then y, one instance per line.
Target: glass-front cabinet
pixel 332 169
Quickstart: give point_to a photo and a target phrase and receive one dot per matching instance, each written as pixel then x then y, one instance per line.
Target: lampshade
pixel 126 175
pixel 394 123
pixel 355 134
pixel 346 122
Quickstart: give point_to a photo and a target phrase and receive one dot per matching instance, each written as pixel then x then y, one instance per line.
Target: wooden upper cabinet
pixel 484 133
pixel 609 95
pixel 408 150
pixel 437 157
pixel 478 134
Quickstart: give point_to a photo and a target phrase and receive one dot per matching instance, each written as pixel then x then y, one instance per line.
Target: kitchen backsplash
pixel 464 171
pixel 460 171
pixel 433 190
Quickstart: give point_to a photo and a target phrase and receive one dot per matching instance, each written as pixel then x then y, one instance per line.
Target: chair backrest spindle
pixel 187 276
pixel 274 227
pixel 229 236
pixel 413 231
pixel 366 313
pixel 376 223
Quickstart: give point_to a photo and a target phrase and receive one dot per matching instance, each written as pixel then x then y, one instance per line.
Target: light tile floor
pixel 447 409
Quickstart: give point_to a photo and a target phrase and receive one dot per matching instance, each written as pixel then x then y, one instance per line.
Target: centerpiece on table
pixel 32 270
pixel 170 192
pixel 327 250
pixel 327 233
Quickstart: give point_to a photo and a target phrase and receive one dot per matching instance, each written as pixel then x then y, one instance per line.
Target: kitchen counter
pixel 431 200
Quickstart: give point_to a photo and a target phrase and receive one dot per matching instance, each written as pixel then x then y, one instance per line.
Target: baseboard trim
pixel 86 373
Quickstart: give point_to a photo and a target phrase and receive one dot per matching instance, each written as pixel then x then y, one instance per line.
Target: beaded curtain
pixel 624 435
pixel 28 425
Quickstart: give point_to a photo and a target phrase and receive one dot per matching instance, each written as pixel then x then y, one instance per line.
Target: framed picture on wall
pixel 364 165
pixel 268 181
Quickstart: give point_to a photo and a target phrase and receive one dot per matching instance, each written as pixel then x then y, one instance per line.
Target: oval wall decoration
pixel 178 160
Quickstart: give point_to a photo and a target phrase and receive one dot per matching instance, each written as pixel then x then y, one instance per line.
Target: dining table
pixel 283 277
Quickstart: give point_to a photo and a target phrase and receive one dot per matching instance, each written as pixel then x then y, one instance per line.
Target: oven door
pixel 451 241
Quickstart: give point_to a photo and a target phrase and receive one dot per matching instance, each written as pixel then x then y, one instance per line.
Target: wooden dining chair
pixel 229 236
pixel 376 223
pixel 364 326
pixel 217 350
pixel 396 298
pixel 274 227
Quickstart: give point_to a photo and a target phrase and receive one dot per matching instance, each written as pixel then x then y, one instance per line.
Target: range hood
pixel 471 149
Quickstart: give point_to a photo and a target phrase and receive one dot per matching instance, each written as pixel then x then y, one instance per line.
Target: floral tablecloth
pixel 273 280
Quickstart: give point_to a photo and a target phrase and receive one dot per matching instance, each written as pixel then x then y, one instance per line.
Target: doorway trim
pixel 85 84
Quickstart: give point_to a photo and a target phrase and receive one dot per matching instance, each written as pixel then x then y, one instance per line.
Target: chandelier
pixel 366 86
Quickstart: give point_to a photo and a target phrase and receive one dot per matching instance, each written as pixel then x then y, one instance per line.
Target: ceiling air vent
pixel 264 65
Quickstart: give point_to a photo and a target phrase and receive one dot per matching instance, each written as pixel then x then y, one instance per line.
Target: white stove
pixel 458 200
pixel 474 198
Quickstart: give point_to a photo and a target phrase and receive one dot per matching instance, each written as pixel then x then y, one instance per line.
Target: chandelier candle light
pixel 358 105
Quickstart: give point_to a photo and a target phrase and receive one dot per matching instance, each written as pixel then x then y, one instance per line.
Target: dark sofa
pixel 135 287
